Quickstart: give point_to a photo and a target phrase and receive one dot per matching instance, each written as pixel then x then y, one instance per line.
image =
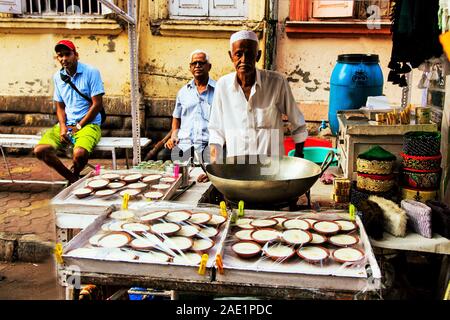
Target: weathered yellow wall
pixel 27 62
pixel 27 59
pixel 164 59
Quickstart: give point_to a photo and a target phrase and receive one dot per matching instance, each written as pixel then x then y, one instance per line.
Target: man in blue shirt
pixel 75 113
pixel 191 113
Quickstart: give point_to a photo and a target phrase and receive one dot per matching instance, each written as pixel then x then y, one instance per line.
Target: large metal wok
pixel 265 180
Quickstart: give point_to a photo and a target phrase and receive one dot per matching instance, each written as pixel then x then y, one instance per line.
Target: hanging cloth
pixel 415 36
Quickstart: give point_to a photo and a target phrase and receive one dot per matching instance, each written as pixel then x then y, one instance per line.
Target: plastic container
pixel 289 143
pixel 317 154
pixel 354 78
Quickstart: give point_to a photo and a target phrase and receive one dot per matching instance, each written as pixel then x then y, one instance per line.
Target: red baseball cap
pixel 65 43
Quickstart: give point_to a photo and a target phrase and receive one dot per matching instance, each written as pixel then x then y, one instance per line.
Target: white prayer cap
pixel 200 51
pixel 243 35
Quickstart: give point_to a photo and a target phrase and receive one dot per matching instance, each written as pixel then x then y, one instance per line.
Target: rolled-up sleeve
pixel 177 111
pixel 289 106
pixel 56 94
pixel 215 126
pixel 96 83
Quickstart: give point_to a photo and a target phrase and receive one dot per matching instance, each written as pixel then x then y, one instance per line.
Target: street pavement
pixel 25 208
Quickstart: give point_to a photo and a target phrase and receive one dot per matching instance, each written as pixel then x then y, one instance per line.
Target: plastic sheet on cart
pixel 66 201
pixel 287 264
pixel 161 254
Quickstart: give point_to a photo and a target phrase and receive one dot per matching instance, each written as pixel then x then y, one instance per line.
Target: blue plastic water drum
pixel 354 78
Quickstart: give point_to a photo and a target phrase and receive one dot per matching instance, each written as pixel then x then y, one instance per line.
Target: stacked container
pixel 421 168
pixel 375 175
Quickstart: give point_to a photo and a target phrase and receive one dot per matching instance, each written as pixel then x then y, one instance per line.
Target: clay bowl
pixel 110 176
pixel 116 226
pixel 116 185
pixel 244 234
pixel 145 243
pixel 216 220
pixel 326 227
pixel 122 214
pixel 348 255
pixel 153 257
pixel 263 223
pixel 296 237
pixel 168 180
pixel 135 227
pixel 296 224
pixel 178 216
pixel 279 252
pixel 161 187
pixel 118 255
pixel 188 231
pixel 202 245
pixel 244 223
pixel 132 178
pixel 265 235
pixel 82 192
pixel 133 193
pixel 105 193
pixel 200 217
pixel 318 238
pixel 208 232
pixel 313 254
pixel 97 184
pixel 114 240
pixel 154 195
pixel 153 216
pixel 165 228
pixel 280 221
pixel 346 225
pixel 246 249
pixel 178 243
pixel 152 179
pixel 343 240
pixel 94 239
pixel 137 185
pixel 189 258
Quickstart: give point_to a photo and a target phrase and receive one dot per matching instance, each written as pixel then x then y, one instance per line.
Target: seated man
pixel 75 113
pixel 191 113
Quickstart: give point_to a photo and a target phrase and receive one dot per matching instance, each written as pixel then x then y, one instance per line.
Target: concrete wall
pixel 308 63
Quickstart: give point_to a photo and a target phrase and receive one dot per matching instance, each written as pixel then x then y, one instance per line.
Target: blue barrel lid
pixel 358 58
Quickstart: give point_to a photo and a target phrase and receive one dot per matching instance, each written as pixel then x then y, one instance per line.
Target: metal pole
pixel 131 18
pixel 132 41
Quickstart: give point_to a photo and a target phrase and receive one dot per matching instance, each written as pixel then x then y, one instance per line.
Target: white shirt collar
pixel 234 85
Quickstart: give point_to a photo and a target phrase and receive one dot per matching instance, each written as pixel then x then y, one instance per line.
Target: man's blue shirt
pixel 194 110
pixel 88 80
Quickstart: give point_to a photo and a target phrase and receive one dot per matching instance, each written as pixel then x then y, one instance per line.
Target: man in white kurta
pixel 248 104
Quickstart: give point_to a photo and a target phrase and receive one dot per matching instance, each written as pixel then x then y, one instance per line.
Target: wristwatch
pixel 78 126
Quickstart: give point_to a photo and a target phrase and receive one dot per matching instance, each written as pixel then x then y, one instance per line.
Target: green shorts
pixel 87 138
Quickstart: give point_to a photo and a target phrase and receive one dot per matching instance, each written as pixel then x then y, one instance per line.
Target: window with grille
pixel 63 7
pixel 207 8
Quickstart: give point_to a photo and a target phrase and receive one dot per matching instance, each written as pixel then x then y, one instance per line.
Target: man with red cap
pixel 78 112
